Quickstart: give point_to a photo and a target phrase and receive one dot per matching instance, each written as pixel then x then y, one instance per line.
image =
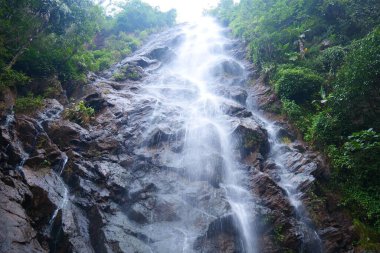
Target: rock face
pixel 108 187
pixel 251 137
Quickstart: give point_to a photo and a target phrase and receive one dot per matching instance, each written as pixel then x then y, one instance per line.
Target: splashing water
pixel 290 182
pixel 65 192
pixel 185 92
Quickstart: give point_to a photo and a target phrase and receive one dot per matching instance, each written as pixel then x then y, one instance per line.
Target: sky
pixel 186 9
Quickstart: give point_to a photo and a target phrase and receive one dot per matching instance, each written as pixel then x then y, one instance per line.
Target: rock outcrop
pixel 107 186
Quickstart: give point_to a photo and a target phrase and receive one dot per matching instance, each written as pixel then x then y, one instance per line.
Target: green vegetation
pixel 80 113
pixel 297 84
pixel 323 59
pixel 28 103
pixel 69 38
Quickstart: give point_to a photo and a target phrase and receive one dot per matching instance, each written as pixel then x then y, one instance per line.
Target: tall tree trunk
pixel 20 52
pixel 34 35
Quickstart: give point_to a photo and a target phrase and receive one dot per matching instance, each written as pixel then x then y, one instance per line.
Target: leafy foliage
pixel 30 103
pixel 296 114
pixel 80 113
pixel 356 90
pixel 10 78
pixel 332 58
pixel 298 84
pixel 139 16
pixel 357 165
pixel 68 38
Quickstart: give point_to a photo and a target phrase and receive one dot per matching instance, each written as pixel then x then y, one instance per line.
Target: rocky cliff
pixel 107 186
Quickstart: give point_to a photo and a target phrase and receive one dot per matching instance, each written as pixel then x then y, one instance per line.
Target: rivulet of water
pixel 290 182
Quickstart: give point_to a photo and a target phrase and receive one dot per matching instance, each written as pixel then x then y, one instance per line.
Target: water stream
pixel 185 92
pixel 290 181
pixel 63 203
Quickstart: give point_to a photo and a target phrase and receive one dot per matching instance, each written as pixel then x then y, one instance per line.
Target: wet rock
pixel 270 193
pixel 232 108
pixel 129 72
pixel 251 137
pixel 96 101
pixel 213 170
pixel 285 134
pixel 177 40
pixel 334 239
pixel 10 154
pixel 138 213
pixel 265 97
pixel 143 61
pixel 51 110
pixel 158 136
pixel 70 231
pixel 299 147
pixel 48 193
pixel 96 223
pixel 163 54
pixel 48 87
pixel 238 95
pixel 67 134
pixel 27 131
pixel 300 163
pixel 227 67
pixel 165 211
pixel 220 237
pixel 16 232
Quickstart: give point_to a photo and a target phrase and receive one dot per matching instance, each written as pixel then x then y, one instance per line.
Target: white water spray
pixel 187 87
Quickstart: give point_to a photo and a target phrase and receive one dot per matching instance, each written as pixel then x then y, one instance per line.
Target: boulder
pixel 129 72
pixel 227 68
pixel 238 94
pixel 96 101
pixel 251 137
pixel 161 53
pixel 17 234
pixel 233 108
pixel 272 195
pixel 67 134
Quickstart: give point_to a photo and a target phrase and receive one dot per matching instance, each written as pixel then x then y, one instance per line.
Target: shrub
pixel 324 129
pixel 11 78
pixel 80 114
pixel 295 113
pixel 332 58
pixel 357 172
pixel 28 103
pixel 291 109
pixel 118 76
pixel 298 84
pixel 363 149
pixel 356 89
pixel 369 239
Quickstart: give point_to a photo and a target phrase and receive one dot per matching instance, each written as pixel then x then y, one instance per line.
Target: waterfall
pixel 290 182
pixel 65 196
pixel 185 92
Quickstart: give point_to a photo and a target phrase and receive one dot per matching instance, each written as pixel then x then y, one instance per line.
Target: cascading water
pixel 185 94
pixel 290 182
pixel 63 203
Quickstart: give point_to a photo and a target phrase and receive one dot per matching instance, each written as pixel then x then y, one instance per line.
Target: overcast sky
pixel 186 9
